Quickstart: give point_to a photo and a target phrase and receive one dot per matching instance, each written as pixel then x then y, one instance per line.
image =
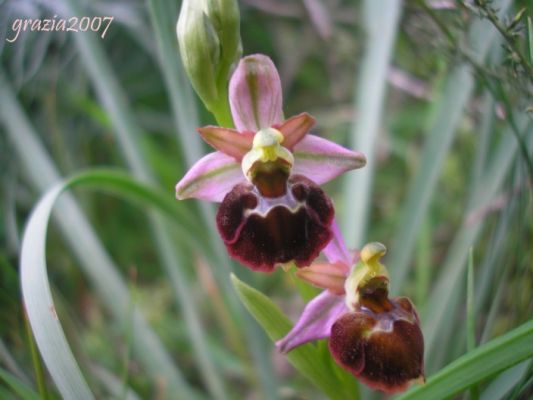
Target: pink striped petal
pixel 322 160
pixel 255 94
pixel 336 251
pixel 325 276
pixel 228 141
pixel 315 322
pixel 295 128
pixel 210 178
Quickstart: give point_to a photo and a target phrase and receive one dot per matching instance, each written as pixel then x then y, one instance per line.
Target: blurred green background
pixel 435 96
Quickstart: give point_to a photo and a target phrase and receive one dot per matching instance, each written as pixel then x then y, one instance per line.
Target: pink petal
pixel 295 128
pixel 315 322
pixel 255 94
pixel 325 276
pixel 336 251
pixel 228 141
pixel 322 160
pixel 210 178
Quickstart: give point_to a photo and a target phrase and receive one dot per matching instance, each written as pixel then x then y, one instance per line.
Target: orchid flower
pixel 266 173
pixel 374 337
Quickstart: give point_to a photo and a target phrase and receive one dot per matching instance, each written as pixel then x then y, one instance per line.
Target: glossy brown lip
pixel 383 346
pixel 262 232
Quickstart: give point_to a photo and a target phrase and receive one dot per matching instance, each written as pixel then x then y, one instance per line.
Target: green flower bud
pixel 209 40
pixel 224 15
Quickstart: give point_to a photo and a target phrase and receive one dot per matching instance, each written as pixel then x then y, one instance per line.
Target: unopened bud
pixel 224 15
pixel 209 40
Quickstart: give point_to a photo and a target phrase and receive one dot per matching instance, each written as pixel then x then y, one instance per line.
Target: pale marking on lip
pixel 266 204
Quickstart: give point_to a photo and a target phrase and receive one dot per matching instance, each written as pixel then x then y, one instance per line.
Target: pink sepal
pixel 210 178
pixel 322 160
pixel 315 322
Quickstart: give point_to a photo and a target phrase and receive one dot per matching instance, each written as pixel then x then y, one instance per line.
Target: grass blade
pixel 493 357
pixel 82 239
pixel 114 385
pixel 20 388
pixel 381 20
pixel 102 179
pixel 530 38
pixel 505 382
pixel 37 364
pixel 40 307
pixel 470 315
pixel 178 88
pixel 470 308
pixel 439 309
pixel 9 362
pixel 446 116
pixel 127 132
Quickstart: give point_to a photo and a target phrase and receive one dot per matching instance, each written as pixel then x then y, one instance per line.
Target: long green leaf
pixel 40 306
pixel 37 296
pixel 307 358
pixel 105 179
pixel 493 357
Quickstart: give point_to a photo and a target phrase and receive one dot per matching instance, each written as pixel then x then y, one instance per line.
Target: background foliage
pixel 438 94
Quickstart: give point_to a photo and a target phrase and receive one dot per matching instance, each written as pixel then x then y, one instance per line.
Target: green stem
pixel 128 333
pixel 222 113
pixel 36 361
pixel 470 316
pixel 221 108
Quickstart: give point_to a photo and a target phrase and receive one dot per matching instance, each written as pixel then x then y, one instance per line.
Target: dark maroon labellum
pixel 380 342
pixel 262 232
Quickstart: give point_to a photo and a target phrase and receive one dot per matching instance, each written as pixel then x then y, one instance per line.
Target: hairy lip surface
pixel 263 232
pixel 385 349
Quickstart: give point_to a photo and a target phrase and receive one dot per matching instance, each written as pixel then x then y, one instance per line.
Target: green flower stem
pixel 221 108
pixel 222 113
pixel 37 364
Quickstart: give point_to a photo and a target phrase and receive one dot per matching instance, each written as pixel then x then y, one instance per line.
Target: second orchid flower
pixel 376 338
